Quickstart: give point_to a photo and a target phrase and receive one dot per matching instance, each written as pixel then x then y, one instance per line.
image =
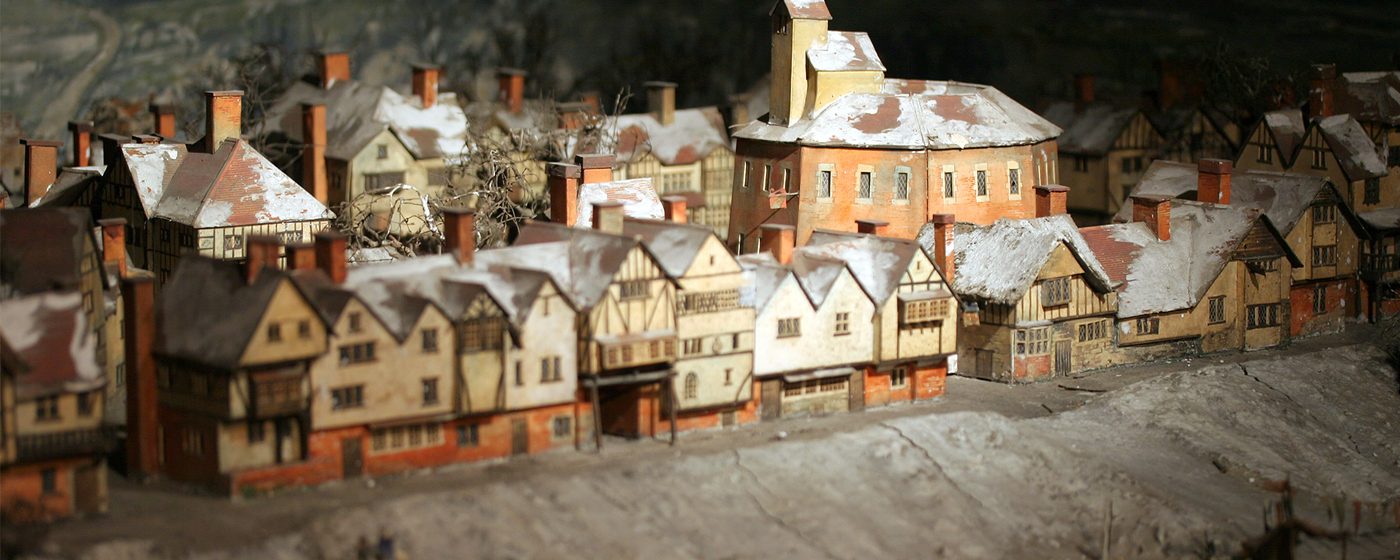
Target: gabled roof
pixel 1370 96
pixel 41 249
pixel 1284 197
pixel 803 9
pixel 1288 129
pixel 207 313
pixel 151 167
pixel 1161 276
pixel 49 333
pixel 1000 262
pixel 815 275
pixel 71 183
pixel 1353 149
pixel 675 245
pixel 845 51
pixel 691 137
pixel 913 114
pixel 638 198
pixel 582 262
pixel 1383 220
pixel 356 112
pixel 1092 130
pixel 878 263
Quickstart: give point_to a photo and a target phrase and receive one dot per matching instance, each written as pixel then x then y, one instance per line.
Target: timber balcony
pixel 278 393
pixel 636 350
pixel 71 443
pixel 1380 267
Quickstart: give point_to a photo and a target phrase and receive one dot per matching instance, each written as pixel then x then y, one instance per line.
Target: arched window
pixel 692 385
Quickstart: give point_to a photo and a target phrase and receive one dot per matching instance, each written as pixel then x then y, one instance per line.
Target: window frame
pixel 865 184
pixel 1319 304
pixel 981 188
pixel 901 194
pixel 789 327
pixel 825 171
pixel 1013 180
pixel 1215 311
pixel 950 183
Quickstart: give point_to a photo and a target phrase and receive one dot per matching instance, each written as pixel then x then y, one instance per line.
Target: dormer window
pixel 782 25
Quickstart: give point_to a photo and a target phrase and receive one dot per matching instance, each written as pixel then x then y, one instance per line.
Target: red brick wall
pixel 22 499
pixel 1343 304
pixel 921 383
pixel 930 381
pixel 1032 367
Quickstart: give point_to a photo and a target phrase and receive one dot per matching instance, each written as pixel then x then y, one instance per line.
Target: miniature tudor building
pixel 683 151
pixel 842 143
pixel 1373 99
pixel 207 198
pixel 365 138
pixel 1044 302
pixel 1314 218
pixel 1194 277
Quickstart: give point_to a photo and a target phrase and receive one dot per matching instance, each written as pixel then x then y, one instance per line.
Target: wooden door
pixel 726 418
pixel 90 488
pixel 856 394
pixel 519 437
pixel 1062 353
pixel 352 458
pixel 771 398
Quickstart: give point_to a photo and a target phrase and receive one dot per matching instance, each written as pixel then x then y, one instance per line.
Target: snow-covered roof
pixel 804 9
pixel 1370 96
pixel 1383 220
pixel 911 114
pixel 638 198
pixel 1091 130
pixel 674 245
pixel 999 262
pixel 42 249
pixel 845 51
pixel 582 262
pixel 690 137
pixel 356 112
pixel 151 166
pixel 762 277
pixel 878 263
pixel 49 333
pixel 1288 129
pixel 233 186
pixel 1354 150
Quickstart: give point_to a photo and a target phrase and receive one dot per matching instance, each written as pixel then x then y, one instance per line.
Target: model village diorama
pixel 352 303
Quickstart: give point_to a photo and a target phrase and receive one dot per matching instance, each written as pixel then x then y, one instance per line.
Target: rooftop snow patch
pixel 691 137
pixel 1000 262
pixel 1353 149
pixel 845 51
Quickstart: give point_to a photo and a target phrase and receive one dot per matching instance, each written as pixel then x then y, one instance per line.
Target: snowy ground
pixel 1180 456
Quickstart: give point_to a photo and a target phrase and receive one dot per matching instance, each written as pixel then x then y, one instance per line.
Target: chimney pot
pixel 595 168
pixel 114 244
pixel 313 151
pixel 40 168
pixel 425 84
pixel 1051 200
pixel 1156 212
pixel 608 216
pixel 661 101
pixel 872 227
pixel 163 115
pixel 1213 181
pixel 334 66
pixel 779 239
pixel 943 243
pixel 563 193
pixel 675 208
pixel 223 117
pixel 82 142
pixel 330 255
pixel 460 227
pixel 263 251
pixel 511 82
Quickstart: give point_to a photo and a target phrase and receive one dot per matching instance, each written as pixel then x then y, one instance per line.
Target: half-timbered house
pixel 1335 147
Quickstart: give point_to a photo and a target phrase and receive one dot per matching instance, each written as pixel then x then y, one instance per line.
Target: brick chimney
pixel 333 67
pixel 739 110
pixel 40 167
pixel 1050 200
pixel 459 226
pixel 593 99
pixel 330 255
pixel 301 256
pixel 142 408
pixel 563 193
pixel 594 168
pixel 223 117
pixel 872 227
pixel 82 142
pixel 511 92
pixel 1321 90
pixel 1083 91
pixel 607 216
pixel 661 101
pixel 779 239
pixel 1213 181
pixel 313 151
pixel 114 245
pixel 425 84
pixel 1169 91
pixel 262 252
pixel 1156 212
pixel 163 116
pixel 943 243
pixel 675 208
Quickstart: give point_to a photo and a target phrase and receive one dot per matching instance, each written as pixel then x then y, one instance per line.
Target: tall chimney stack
pixel 779 239
pixel 675 208
pixel 739 110
pixel 1156 212
pixel 223 117
pixel 1050 200
pixel 142 408
pixel 40 167
pixel 943 243
pixel 459 225
pixel 163 116
pixel 1322 90
pixel 301 256
pixel 333 67
pixel 872 227
pixel 263 251
pixel 82 142
pixel 330 255
pixel 608 216
pixel 661 101
pixel 114 244
pixel 1083 91
pixel 425 84
pixel 563 193
pixel 512 88
pixel 1213 181
pixel 313 151
pixel 595 168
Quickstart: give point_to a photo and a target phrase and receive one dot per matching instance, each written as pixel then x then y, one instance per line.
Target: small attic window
pixel 782 25
pixel 383 151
